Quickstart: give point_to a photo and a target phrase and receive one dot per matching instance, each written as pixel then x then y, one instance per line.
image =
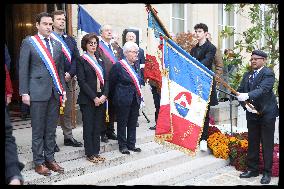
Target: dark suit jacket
pixel 87 80
pixel 72 45
pixel 260 94
pixel 12 165
pixel 108 64
pixel 141 60
pixel 122 87
pixel 34 77
pixel 205 54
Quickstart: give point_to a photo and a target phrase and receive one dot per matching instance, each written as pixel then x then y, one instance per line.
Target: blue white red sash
pixel 94 63
pixel 48 62
pixel 108 52
pixel 65 48
pixel 133 75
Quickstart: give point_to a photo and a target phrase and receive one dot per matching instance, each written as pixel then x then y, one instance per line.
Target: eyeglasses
pixel 252 59
pixel 92 43
pixel 136 52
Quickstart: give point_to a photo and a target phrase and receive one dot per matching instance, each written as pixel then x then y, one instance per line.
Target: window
pixel 226 19
pixel 178 18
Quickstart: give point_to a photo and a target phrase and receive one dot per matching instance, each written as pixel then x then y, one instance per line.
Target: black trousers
pixel 156 98
pixel 44 116
pixel 260 132
pixel 93 122
pixel 127 117
pixel 204 135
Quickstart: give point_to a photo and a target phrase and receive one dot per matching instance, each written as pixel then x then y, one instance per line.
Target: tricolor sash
pixel 133 76
pixel 108 52
pixel 94 63
pixel 65 48
pixel 48 62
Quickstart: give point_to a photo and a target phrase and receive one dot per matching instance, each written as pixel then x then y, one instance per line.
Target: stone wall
pixel 221 113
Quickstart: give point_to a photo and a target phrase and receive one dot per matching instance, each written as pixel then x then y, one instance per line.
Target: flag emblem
pixel 182 102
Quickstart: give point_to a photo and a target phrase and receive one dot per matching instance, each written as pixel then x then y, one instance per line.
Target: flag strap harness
pixel 133 75
pixel 65 48
pixel 48 62
pixel 108 52
pixel 94 64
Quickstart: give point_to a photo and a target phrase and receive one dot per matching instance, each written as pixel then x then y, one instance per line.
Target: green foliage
pixel 266 27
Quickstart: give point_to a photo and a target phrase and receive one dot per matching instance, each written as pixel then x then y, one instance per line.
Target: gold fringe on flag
pixel 107 115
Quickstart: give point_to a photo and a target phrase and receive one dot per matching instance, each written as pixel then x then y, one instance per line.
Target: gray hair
pixel 130 32
pixel 102 28
pixel 128 45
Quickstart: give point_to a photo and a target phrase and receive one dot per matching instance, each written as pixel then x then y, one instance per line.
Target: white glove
pixel 250 110
pixel 243 96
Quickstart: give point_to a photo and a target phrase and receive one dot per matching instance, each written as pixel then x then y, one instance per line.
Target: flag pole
pixel 218 78
pixel 149 7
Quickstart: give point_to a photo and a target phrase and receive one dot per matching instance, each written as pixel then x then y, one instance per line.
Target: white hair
pixel 128 45
pixel 103 27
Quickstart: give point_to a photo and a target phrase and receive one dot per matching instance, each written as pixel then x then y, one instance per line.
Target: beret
pixel 259 53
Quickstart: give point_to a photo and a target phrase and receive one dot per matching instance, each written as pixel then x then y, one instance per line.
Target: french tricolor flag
pixel 184 99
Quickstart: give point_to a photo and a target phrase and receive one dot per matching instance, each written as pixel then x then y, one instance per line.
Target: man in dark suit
pixel 140 63
pixel 106 51
pixel 204 52
pixel 41 85
pixel 70 71
pixel 12 165
pixel 126 89
pixel 257 87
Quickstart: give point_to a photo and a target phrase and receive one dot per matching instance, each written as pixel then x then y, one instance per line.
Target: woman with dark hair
pixel 92 97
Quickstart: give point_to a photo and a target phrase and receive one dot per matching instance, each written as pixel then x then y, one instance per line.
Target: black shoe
pixel 112 136
pixel 104 139
pixel 24 117
pixel 124 151
pixel 265 178
pixel 137 124
pixel 72 142
pixel 152 128
pixel 56 148
pixel 249 174
pixel 135 149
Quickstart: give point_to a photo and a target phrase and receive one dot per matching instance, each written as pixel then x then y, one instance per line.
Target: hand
pixel 26 99
pixel 15 182
pixel 8 99
pixel 64 99
pixel 97 101
pixel 103 99
pixel 243 96
pixel 67 77
pixel 250 110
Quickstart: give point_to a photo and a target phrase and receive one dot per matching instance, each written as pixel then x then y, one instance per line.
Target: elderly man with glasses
pixel 256 88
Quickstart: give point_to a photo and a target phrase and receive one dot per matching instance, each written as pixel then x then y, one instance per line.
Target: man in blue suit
pixel 127 96
pixel 256 87
pixel 140 62
pixel 59 21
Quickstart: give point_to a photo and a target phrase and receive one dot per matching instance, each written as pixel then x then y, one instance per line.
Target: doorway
pixel 19 23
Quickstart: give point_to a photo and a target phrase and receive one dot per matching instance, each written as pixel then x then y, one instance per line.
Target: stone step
pixel 81 166
pixel 67 153
pixel 132 169
pixel 179 173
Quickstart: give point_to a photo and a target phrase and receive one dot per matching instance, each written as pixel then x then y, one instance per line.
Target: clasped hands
pixel 99 101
